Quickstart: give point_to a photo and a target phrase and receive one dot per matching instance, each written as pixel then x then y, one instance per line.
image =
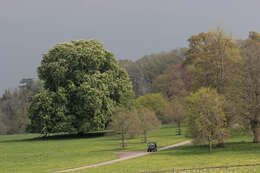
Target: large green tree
pixel 82 84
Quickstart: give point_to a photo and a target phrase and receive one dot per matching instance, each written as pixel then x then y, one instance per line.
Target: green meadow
pixel 28 153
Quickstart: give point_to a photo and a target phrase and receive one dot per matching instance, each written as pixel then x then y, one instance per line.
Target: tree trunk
pixel 256 131
pixel 123 141
pixel 145 136
pixel 255 125
pixel 221 141
pixel 210 146
pixel 179 128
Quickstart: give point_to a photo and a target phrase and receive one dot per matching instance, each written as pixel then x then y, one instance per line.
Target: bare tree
pixel 126 123
pixel 148 121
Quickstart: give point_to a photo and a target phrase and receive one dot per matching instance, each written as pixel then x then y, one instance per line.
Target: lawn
pixel 26 153
pixel 238 150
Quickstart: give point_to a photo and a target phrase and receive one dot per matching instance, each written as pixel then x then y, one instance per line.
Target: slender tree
pixel 205 116
pixel 126 123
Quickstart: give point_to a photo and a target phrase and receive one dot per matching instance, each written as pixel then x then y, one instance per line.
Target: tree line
pixel 213 85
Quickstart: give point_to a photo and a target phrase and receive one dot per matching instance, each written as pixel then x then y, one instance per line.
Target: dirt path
pixel 124 156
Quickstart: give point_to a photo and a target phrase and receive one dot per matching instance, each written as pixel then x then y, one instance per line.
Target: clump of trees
pixel 232 69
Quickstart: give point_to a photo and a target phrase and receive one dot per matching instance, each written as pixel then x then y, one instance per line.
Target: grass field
pixel 24 153
pixel 238 150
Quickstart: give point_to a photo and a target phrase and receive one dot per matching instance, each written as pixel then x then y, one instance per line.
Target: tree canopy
pixel 82 84
pixel 212 56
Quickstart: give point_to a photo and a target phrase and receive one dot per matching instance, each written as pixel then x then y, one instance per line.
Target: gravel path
pixel 125 157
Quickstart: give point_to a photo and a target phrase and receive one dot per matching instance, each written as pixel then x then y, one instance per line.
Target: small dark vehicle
pixel 152 147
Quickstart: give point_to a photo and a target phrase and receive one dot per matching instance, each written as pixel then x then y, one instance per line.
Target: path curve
pixel 124 158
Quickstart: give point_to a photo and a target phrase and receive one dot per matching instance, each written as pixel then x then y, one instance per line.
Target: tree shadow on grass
pixel 57 137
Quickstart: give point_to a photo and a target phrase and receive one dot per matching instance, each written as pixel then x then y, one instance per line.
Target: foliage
pixel 205 116
pixel 50 109
pixel 148 121
pixel 157 104
pixel 212 56
pixel 85 81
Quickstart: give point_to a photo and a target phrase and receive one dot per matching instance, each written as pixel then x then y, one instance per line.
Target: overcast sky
pixel 129 28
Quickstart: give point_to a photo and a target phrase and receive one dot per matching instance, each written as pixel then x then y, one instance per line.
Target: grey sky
pixel 129 28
